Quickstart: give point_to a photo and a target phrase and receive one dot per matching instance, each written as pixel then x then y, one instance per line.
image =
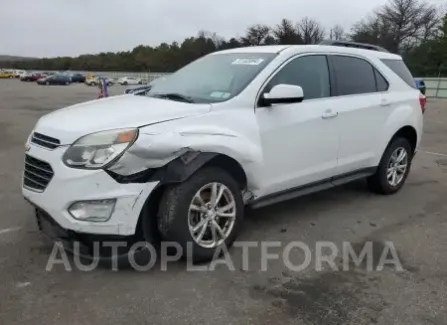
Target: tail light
pixel 422 101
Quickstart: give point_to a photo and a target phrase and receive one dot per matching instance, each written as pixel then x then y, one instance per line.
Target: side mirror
pixel 284 94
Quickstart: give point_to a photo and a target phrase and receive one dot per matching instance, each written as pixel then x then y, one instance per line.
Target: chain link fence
pixel 435 87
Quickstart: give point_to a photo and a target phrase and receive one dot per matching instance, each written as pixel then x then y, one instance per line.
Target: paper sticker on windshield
pixel 219 94
pixel 248 61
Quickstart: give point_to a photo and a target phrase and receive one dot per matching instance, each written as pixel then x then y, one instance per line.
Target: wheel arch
pixel 183 167
pixel 175 172
pixel 408 132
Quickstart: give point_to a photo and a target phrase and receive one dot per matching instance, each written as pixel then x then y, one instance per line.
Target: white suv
pixel 249 126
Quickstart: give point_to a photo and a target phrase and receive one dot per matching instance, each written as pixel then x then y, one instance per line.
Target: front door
pixel 299 140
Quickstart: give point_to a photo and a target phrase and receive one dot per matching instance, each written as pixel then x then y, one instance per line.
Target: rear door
pixel 363 107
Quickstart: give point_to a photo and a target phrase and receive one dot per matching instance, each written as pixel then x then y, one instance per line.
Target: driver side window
pixel 309 72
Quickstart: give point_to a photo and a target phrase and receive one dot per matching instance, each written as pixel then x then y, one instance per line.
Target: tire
pixel 379 182
pixel 174 213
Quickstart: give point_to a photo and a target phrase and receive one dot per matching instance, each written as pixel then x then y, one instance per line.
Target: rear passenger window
pixel 353 75
pixel 382 84
pixel 309 72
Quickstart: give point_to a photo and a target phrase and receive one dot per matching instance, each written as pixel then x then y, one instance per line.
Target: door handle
pixel 329 114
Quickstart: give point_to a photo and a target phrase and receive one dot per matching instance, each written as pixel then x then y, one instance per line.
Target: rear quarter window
pixel 399 68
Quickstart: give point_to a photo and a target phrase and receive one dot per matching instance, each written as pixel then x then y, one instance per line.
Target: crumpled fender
pixel 155 150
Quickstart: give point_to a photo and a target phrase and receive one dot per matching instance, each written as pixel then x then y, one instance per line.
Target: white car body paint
pixel 279 147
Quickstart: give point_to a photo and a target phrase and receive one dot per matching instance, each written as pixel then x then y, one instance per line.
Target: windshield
pixel 213 78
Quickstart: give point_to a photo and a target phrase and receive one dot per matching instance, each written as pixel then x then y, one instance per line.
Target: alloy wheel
pixel 397 166
pixel 212 215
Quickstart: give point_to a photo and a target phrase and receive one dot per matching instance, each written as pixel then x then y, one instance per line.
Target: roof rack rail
pixel 355 45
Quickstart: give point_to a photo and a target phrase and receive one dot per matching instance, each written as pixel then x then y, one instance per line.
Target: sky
pixel 48 28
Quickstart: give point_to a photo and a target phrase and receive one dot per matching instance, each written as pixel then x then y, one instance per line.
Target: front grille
pixel 37 174
pixel 45 141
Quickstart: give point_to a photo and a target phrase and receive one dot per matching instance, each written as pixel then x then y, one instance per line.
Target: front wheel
pixel 206 211
pixel 393 169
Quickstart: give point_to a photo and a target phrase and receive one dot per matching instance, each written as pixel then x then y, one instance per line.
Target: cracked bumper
pixel 70 185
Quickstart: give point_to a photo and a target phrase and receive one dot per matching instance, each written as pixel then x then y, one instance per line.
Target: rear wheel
pixel 206 211
pixel 393 169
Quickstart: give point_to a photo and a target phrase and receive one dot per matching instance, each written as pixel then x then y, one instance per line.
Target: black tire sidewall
pixel 386 187
pixel 174 207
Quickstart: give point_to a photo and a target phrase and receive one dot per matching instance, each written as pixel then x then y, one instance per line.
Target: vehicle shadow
pixel 275 218
pixel 302 207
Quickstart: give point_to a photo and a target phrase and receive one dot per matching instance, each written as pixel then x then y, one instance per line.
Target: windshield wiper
pixel 174 96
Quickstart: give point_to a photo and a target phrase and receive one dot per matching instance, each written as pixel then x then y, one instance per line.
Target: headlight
pixel 97 150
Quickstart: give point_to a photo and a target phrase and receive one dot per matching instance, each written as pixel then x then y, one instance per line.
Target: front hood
pixel 70 123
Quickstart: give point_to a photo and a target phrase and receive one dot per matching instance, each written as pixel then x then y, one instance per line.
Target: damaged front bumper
pixel 68 186
pixel 80 244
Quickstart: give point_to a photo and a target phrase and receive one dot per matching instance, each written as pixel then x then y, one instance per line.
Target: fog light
pixel 95 211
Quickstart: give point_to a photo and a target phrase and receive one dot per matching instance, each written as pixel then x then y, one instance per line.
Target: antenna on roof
pixel 354 45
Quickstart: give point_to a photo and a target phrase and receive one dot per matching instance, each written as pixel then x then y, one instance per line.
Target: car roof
pixel 296 49
pixel 255 49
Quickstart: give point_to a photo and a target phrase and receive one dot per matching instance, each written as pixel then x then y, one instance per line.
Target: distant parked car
pixel 32 76
pixel 94 80
pixel 6 75
pixel 75 77
pixel 19 73
pixel 57 79
pixel 129 81
pixel 420 84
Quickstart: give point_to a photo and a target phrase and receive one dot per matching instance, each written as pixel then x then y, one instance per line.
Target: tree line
pixel 416 29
